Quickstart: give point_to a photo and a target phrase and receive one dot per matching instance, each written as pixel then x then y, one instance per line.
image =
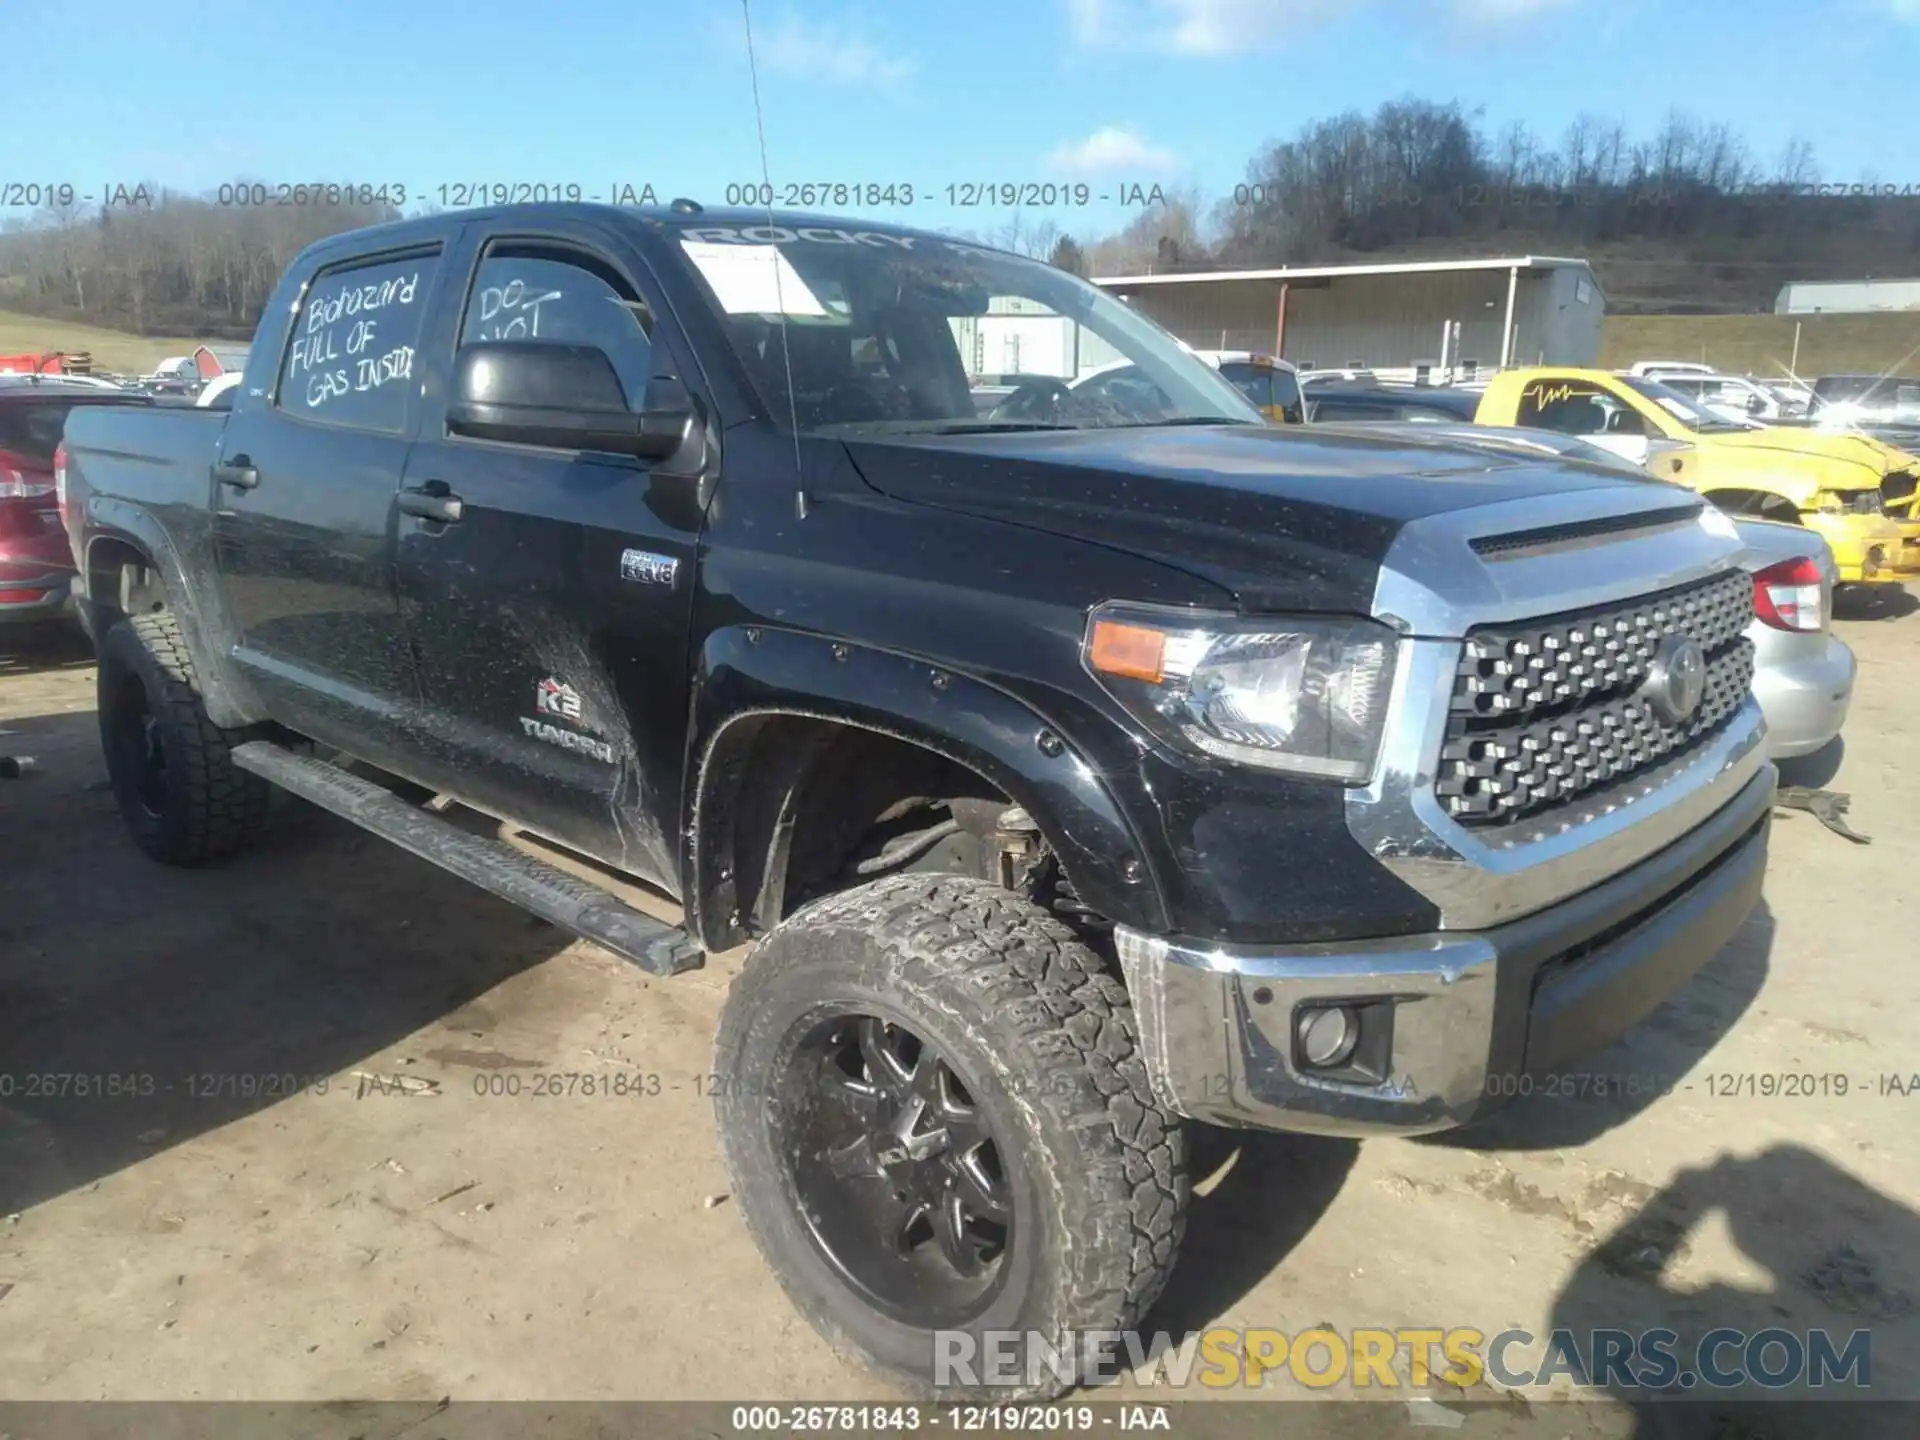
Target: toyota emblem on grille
pixel 1676 678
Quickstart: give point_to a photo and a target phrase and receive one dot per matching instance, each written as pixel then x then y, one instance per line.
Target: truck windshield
pixel 1684 408
pixel 850 332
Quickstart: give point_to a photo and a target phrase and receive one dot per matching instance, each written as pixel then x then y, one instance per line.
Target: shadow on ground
pixel 1817 770
pixel 1873 602
pixel 1844 1262
pixel 1658 1056
pixel 1268 1192
pixel 34 649
pixel 141 1006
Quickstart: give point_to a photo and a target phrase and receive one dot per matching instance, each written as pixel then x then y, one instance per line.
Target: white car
pixel 1733 397
pixel 1648 368
pixel 217 393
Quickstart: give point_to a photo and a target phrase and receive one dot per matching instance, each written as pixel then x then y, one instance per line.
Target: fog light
pixel 1328 1036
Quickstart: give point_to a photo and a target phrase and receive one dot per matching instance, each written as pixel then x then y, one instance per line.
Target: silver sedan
pixel 1803 673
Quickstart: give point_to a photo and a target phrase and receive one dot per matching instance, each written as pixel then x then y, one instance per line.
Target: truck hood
pixel 1280 517
pixel 1839 461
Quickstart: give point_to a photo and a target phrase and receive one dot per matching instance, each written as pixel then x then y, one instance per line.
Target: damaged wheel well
pixel 121 580
pixel 1756 505
pixel 793 807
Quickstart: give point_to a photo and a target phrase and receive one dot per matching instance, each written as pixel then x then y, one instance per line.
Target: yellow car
pixel 1830 483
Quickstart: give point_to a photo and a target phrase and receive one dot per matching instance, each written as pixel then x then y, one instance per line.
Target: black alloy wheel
pixel 135 732
pixel 897 1175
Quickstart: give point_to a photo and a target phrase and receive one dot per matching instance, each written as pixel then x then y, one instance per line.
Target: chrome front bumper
pixel 1448 1021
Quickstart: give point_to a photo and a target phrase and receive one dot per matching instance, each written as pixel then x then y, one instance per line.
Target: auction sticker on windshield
pixel 752 279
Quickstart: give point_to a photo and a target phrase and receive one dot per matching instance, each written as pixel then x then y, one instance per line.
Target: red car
pixel 36 562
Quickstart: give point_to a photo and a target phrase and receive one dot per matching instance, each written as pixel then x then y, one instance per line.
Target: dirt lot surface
pixel 403 1226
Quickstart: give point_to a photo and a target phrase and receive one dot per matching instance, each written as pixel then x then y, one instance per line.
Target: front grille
pixel 1546 711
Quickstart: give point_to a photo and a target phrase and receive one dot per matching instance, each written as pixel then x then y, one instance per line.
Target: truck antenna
pixel 786 355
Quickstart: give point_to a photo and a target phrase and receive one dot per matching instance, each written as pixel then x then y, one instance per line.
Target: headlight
pixel 1308 696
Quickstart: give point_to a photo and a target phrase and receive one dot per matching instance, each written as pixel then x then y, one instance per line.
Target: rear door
pixel 1594 414
pixel 304 505
pixel 550 619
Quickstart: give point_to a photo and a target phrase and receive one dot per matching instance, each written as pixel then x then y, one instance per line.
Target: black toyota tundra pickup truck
pixel 1102 762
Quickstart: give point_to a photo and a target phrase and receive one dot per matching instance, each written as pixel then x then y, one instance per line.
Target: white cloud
pixel 1113 149
pixel 1197 27
pixel 1226 27
pixel 824 52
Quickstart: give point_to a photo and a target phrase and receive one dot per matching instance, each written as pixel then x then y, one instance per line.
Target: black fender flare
pixel 751 672
pixel 229 700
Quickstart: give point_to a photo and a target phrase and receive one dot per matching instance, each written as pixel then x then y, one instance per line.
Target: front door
pixel 304 485
pixel 550 618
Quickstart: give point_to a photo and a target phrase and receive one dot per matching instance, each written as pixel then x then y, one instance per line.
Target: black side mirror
pixel 566 396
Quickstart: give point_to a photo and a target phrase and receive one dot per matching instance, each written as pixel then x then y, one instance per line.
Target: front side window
pixel 351 359
pixel 847 331
pixel 563 298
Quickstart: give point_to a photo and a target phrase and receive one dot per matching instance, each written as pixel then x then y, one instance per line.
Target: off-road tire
pixel 207 806
pixel 1038 1032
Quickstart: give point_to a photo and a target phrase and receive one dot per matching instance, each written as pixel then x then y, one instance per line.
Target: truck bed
pixel 157 453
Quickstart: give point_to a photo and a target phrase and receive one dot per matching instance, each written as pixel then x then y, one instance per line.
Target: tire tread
pixel 222 808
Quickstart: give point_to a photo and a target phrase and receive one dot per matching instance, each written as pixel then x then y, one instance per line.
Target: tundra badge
pixel 647 567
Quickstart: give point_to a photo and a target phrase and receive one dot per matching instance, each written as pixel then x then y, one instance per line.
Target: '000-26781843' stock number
pixel 552 1084
pixel 1044 1419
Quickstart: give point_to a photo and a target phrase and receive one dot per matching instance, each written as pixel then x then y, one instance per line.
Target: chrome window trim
pixel 1433 586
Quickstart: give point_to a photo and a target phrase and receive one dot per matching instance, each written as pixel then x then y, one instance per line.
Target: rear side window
pixel 525 293
pixel 352 359
pixel 1253 381
pixel 30 432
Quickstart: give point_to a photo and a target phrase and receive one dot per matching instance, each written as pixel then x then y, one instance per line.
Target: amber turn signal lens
pixel 1133 651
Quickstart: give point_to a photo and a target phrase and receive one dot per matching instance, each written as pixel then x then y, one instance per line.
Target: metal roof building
pixel 1846 297
pixel 1451 316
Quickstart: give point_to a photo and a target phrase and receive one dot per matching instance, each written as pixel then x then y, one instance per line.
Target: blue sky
pixel 922 92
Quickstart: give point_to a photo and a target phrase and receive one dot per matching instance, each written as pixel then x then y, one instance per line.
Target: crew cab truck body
pixel 1073 777
pixel 1837 484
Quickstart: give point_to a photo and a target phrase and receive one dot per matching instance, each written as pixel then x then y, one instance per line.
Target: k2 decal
pixel 647 568
pixel 560 700
pixel 556 697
